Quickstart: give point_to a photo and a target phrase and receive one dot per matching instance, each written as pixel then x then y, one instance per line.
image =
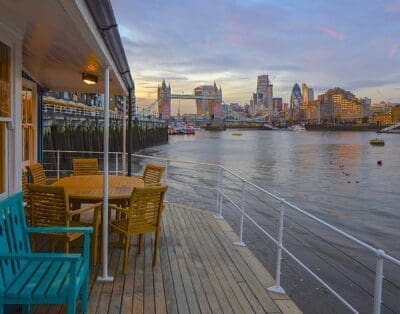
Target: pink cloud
pixel 330 32
pixel 394 8
pixel 394 50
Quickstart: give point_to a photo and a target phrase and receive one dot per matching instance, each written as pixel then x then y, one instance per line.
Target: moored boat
pixel 377 142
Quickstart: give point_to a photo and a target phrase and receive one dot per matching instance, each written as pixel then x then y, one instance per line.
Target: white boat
pixel 296 128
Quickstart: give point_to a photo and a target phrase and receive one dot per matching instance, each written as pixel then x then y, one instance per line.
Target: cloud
pixel 330 32
pixel 394 8
pixel 394 50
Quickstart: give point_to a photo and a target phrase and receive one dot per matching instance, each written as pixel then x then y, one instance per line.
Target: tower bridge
pixel 208 100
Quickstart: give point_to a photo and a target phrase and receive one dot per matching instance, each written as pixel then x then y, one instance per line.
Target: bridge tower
pixel 215 105
pixel 164 101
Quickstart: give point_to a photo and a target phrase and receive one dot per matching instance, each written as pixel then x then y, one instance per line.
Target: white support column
pixel 105 276
pixel 125 101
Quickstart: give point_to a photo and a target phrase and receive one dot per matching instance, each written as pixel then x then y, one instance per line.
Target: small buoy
pixel 379 162
pixel 348 181
pixel 356 181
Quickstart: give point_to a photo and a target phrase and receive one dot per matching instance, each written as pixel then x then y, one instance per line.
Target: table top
pixel 90 187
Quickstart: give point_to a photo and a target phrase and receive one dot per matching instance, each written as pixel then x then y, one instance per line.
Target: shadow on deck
pixel 198 270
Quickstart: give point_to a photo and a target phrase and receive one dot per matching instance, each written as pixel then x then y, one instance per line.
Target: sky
pixel 351 44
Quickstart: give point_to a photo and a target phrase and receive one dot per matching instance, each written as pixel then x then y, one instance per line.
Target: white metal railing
pixel 244 183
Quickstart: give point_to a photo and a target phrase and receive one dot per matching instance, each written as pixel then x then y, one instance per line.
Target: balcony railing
pixel 231 189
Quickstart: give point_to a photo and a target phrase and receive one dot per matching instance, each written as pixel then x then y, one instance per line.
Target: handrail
pixel 380 254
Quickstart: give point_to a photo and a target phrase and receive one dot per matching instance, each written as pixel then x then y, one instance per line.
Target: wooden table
pixel 89 189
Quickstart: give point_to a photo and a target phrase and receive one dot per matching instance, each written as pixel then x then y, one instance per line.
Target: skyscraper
pixel 264 93
pixel 296 102
pixel 310 94
pixel 304 94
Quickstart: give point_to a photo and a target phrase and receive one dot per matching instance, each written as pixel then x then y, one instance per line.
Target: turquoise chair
pixel 39 278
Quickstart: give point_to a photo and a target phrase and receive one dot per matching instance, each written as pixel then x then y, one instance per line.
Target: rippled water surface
pixel 333 175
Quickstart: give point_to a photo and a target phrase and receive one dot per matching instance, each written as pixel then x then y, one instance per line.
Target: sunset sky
pixel 351 44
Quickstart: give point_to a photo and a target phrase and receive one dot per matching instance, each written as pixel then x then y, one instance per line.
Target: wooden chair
pixel 83 167
pixel 142 216
pixel 50 207
pixel 26 199
pixel 37 174
pixel 152 174
pixel 39 278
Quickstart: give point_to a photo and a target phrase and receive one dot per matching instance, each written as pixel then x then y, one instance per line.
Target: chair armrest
pixel 73 257
pixel 85 230
pixel 118 209
pixel 84 209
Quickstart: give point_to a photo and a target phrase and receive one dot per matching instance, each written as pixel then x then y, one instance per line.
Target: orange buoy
pixel 379 162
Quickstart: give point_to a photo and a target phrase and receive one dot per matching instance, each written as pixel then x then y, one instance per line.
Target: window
pixel 5 81
pixel 5 110
pixel 28 131
pixel 3 157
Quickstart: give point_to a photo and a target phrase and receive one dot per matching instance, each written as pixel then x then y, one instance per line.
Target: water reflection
pixel 332 174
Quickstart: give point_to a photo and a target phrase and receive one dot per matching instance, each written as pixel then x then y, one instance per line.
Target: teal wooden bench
pixel 39 278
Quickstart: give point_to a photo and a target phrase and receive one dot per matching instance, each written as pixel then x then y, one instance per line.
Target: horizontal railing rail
pixel 221 172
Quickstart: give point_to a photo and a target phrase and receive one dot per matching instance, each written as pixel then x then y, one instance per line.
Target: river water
pixel 333 175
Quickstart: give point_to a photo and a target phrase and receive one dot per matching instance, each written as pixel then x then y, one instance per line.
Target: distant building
pixel 310 94
pixel 277 105
pixel 365 108
pixel 345 106
pixel 396 114
pixel 382 114
pixel 295 105
pixel 164 101
pixel 264 93
pixel 304 94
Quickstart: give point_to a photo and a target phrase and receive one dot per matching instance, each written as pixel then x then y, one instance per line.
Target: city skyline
pixel 322 44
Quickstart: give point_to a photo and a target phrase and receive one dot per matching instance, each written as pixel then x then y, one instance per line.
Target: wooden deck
pixel 198 270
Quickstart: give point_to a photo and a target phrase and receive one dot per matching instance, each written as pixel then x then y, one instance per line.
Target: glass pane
pixel 27 126
pixel 2 157
pixel 5 81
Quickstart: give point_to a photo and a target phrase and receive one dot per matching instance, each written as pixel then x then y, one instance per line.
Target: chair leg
pixel 26 308
pixel 66 245
pixel 126 253
pixel 140 243
pixel 85 296
pixel 53 246
pixel 157 238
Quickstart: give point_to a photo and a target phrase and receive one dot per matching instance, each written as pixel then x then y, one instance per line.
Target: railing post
pixel 277 287
pixel 58 164
pixel 220 197
pixel 116 163
pixel 240 242
pixel 378 281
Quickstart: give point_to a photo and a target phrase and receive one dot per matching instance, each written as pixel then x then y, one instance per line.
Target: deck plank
pixel 196 255
pixel 219 264
pixel 198 270
pixel 179 225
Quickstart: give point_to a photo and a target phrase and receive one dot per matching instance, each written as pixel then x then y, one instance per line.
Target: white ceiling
pixel 58 44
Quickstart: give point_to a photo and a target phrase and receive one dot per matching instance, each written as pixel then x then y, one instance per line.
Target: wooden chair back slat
pixel 145 207
pixel 85 166
pixel 152 174
pixel 49 205
pixel 13 237
pixel 37 174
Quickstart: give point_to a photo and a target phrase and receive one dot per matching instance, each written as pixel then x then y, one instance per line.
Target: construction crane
pixel 388 101
pixel 147 110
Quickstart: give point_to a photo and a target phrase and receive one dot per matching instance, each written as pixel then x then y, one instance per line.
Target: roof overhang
pixel 60 41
